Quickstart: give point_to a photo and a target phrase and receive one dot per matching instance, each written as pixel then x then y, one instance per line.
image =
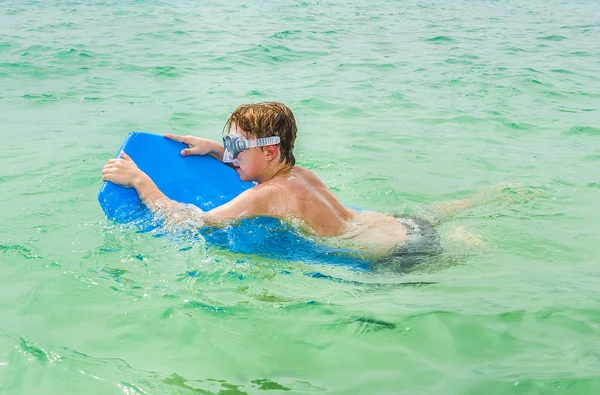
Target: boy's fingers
pixel 125 156
pixel 181 139
pixel 186 152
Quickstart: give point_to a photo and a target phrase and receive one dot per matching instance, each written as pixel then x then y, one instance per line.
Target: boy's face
pixel 250 164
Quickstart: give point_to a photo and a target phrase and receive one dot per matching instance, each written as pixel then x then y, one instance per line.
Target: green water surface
pixel 400 105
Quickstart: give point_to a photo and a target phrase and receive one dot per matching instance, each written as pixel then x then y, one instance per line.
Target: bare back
pixel 300 194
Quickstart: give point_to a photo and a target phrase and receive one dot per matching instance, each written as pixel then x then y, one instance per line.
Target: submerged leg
pixel 461 235
pixel 497 194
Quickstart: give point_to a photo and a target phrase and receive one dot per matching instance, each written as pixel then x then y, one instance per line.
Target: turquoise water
pixel 400 105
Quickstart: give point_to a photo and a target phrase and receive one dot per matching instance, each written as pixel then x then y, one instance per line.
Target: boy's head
pixel 266 120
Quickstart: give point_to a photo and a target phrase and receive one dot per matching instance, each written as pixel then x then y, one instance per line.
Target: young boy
pixel 259 146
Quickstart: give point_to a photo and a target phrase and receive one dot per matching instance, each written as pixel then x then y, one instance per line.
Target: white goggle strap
pixel 263 141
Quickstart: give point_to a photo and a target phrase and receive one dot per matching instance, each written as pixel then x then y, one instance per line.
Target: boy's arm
pixel 249 203
pixel 123 171
pixel 199 146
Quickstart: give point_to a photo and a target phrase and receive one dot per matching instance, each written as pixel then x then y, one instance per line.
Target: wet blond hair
pixel 265 120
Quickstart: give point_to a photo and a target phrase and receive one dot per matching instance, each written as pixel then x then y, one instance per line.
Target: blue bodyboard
pixel 207 183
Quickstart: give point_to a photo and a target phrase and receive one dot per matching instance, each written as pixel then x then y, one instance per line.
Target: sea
pixel 401 106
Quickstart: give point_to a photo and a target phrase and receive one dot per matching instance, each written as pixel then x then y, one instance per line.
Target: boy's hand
pixel 122 171
pixel 197 145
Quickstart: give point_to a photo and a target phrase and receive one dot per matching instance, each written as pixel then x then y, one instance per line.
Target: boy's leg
pixel 501 193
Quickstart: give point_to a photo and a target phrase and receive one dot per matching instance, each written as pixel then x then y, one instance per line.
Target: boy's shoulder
pixel 296 183
pixel 281 187
pixel 270 187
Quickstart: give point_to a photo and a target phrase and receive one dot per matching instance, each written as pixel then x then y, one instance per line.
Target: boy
pixel 259 146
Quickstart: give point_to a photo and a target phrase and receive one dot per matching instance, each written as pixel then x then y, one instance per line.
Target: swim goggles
pixel 234 145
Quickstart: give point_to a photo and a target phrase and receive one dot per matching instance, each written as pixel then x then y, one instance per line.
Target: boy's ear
pixel 271 151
